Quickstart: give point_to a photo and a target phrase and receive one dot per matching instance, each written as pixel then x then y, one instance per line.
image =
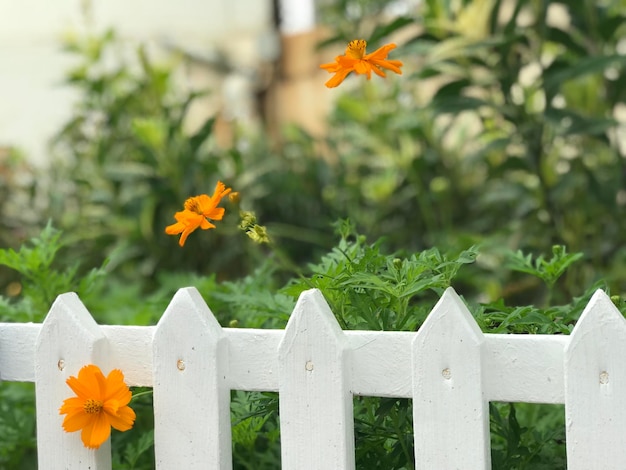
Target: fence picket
pixel 595 388
pixel 191 394
pixel 449 368
pixel 316 418
pixel 450 411
pixel 69 339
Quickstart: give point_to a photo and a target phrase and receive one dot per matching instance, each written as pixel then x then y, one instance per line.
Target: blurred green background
pixel 506 132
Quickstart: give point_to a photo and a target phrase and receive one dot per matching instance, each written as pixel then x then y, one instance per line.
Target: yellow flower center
pixel 192 205
pixel 92 406
pixel 356 49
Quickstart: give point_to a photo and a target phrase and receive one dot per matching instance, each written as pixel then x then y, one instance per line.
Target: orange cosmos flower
pixel 100 403
pixel 355 60
pixel 198 211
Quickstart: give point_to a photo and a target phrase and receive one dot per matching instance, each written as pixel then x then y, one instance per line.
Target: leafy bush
pixel 131 164
pixel 502 133
pixel 367 288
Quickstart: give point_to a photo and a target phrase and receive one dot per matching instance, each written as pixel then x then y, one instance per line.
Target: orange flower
pixel 198 211
pixel 355 60
pixel 100 403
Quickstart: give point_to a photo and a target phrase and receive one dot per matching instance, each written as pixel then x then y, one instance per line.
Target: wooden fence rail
pixel 449 368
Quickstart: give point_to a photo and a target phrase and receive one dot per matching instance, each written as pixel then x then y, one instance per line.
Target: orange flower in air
pixel 355 60
pixel 100 402
pixel 198 211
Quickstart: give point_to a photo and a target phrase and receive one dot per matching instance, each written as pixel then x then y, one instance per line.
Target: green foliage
pixel 17 187
pixel 41 280
pixel 383 432
pixel 495 134
pixel 549 271
pixel 17 426
pixel 255 432
pixel 370 290
pixel 134 449
pixel 525 436
pixel 497 317
pixel 133 162
pixel 367 288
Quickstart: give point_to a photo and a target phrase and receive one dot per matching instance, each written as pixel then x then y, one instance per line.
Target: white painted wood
pixel 68 340
pixel 516 367
pixel 130 349
pixel 17 351
pixel 595 388
pixel 449 368
pixel 316 417
pixel 524 368
pixel 450 412
pixel 191 394
pixel 253 359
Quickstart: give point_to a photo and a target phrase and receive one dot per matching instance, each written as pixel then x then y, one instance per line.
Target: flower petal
pixel 379 72
pixel 381 52
pixel 123 420
pixel 116 388
pixel 393 65
pixel 97 431
pixel 332 67
pixel 77 421
pixel 216 213
pixel 86 385
pixel 338 78
pixel 363 67
pixel 205 225
pixel 206 203
pixel 102 385
pixel 220 191
pixel 72 405
pixel 111 407
pixel 185 234
pixel 174 229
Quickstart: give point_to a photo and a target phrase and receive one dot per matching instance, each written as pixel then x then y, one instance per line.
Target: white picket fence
pixel 449 368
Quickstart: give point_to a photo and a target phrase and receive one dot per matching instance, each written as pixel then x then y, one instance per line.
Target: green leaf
pixel 563 37
pixel 572 123
pixel 559 72
pixel 547 270
pixel 200 137
pixel 456 104
pixel 150 131
pixel 384 30
pixel 451 90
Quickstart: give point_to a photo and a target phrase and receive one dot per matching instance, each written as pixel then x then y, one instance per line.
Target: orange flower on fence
pixel 356 60
pixel 100 402
pixel 197 213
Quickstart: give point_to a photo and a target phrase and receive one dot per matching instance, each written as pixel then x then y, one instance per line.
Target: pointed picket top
pixel 316 417
pixel 191 394
pixel 600 313
pixel 595 387
pixel 69 339
pixel 450 315
pixel 450 412
pixel 311 311
pixel 189 305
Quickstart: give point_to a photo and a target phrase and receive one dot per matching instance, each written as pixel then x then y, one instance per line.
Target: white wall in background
pixel 34 103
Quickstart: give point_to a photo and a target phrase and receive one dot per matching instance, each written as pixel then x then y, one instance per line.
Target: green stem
pixel 400 436
pixel 140 394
